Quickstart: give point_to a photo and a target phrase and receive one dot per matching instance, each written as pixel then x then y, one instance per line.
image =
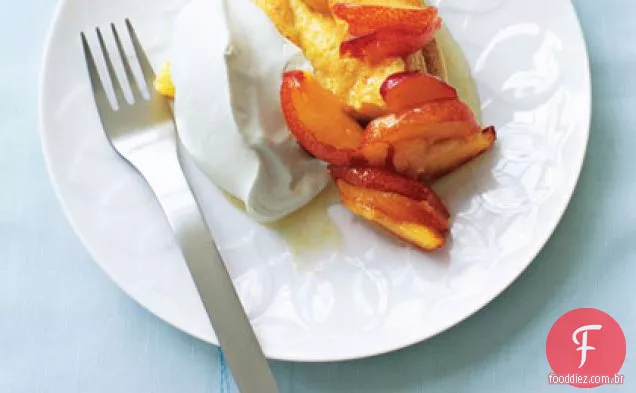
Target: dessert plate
pixel 325 286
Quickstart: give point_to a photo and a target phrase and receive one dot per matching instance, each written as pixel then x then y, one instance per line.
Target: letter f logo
pixel 583 344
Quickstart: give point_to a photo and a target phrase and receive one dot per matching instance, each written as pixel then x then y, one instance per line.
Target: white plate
pixel 372 294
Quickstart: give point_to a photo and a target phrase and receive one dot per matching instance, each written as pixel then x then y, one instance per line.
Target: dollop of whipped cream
pixel 227 68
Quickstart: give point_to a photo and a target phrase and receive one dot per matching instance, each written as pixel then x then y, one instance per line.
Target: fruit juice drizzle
pixel 310 229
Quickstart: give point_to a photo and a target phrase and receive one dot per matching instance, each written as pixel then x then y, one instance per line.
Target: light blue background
pixel 64 327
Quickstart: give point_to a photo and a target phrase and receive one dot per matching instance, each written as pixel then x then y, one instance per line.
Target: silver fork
pixel 144 134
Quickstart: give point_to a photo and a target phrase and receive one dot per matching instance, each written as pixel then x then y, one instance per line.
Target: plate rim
pixel 557 218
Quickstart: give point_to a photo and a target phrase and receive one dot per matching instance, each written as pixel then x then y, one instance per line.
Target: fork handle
pixel 237 339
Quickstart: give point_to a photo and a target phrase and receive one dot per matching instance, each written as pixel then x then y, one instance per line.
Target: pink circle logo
pixel 586 348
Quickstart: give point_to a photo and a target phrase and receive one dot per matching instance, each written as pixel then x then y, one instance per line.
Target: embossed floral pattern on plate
pixel 373 294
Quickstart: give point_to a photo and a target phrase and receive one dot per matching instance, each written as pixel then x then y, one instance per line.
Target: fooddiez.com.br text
pixel 554 379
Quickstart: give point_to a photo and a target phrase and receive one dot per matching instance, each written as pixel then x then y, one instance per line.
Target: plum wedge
pixel 384 180
pixel 432 121
pixel 317 119
pixel 388 43
pixel 407 89
pixel 409 219
pixel 365 19
pixel 430 162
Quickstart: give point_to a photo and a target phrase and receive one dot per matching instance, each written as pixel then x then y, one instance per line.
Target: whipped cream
pixel 227 68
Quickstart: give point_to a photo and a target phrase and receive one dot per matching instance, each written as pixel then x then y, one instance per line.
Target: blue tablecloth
pixel 64 327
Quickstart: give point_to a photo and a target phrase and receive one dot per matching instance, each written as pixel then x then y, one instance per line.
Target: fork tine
pixel 119 93
pixel 132 81
pixel 146 67
pixel 96 83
